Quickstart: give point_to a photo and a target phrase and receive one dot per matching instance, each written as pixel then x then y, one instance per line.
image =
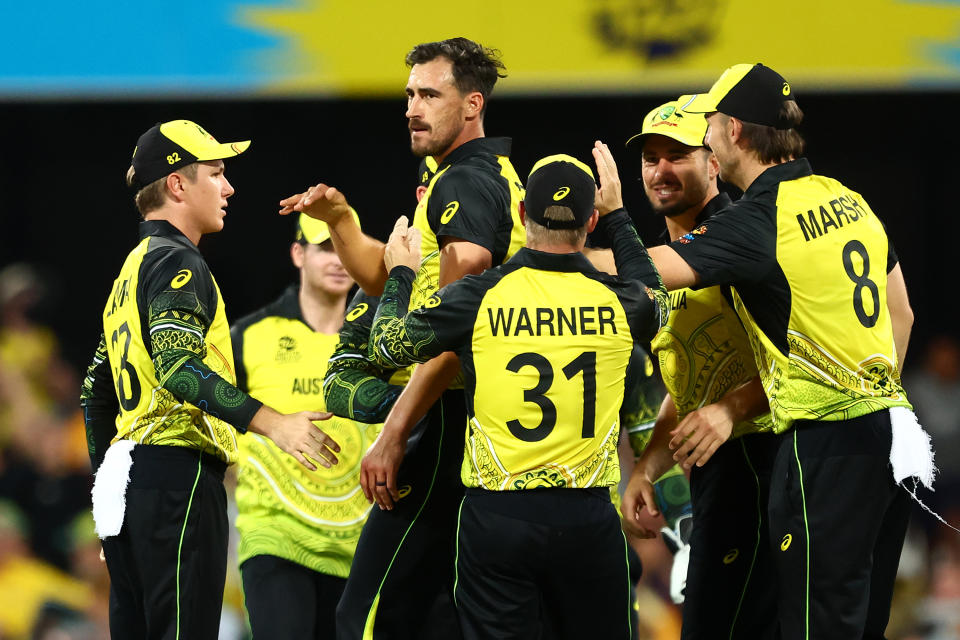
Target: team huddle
pixel 477 386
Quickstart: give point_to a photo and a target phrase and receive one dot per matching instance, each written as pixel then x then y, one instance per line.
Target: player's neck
pixel 748 171
pixel 471 131
pixel 683 223
pixel 322 311
pixel 179 221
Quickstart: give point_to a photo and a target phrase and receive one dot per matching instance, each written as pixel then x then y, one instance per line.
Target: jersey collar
pixel 164 229
pixel 494 146
pixel 717 203
pixel 288 305
pixel 552 261
pixel 778 173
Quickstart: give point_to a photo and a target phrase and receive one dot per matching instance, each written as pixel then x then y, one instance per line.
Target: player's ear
pixel 592 222
pixel 297 254
pixel 474 104
pixel 734 130
pixel 713 167
pixel 175 186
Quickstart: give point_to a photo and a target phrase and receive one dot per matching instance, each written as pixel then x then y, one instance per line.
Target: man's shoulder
pixel 284 308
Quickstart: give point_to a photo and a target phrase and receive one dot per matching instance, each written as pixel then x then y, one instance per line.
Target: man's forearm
pixel 361 255
pixel 194 382
pixel 426 385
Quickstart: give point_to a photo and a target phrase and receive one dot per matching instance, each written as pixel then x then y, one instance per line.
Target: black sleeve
pixel 630 255
pixel 98 400
pixel 737 245
pixel 892 259
pixel 356 387
pixel 468 204
pixel 181 301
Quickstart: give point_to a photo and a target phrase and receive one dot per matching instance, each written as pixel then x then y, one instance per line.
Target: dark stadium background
pixel 67 211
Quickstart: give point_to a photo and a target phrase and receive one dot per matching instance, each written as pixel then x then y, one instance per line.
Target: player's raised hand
pixel 403 247
pixel 608 196
pixel 319 201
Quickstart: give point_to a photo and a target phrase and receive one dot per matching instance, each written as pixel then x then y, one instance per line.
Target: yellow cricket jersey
pixel 312 518
pixel 474 196
pixel 703 349
pixel 166 266
pixel 544 342
pixel 808 260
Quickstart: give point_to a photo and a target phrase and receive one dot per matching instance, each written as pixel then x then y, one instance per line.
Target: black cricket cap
pixel 168 146
pixel 560 180
pixel 752 93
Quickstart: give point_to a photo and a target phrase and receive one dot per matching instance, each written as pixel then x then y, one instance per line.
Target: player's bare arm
pixel 360 254
pixel 655 461
pixel 901 314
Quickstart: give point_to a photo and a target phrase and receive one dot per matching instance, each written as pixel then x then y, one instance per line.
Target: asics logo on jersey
pixel 449 212
pixel 785 543
pixel 561 193
pixel 183 277
pixel 358 311
pixel 731 556
pixel 404 490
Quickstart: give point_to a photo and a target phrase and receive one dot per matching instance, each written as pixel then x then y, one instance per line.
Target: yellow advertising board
pixel 356 47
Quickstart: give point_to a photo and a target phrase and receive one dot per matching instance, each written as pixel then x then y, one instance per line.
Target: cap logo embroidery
pixel 786 88
pixel 358 311
pixel 183 277
pixel 666 112
pixel 173 158
pixel 449 212
pixel 561 193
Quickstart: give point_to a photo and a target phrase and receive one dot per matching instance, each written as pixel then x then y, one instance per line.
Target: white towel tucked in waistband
pixel 110 489
pixel 911 453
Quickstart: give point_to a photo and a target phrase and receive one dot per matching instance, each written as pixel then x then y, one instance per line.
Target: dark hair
pixel 773 145
pixel 152 196
pixel 475 67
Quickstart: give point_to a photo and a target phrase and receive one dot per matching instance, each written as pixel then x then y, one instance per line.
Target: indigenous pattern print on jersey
pixel 810 286
pixel 312 518
pixel 544 342
pixel 356 387
pixel 154 325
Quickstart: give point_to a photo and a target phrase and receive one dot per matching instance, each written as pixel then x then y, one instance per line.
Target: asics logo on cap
pixel 561 193
pixel 786 88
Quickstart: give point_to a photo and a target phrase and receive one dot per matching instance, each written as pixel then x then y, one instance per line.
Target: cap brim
pixel 219 151
pixel 699 103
